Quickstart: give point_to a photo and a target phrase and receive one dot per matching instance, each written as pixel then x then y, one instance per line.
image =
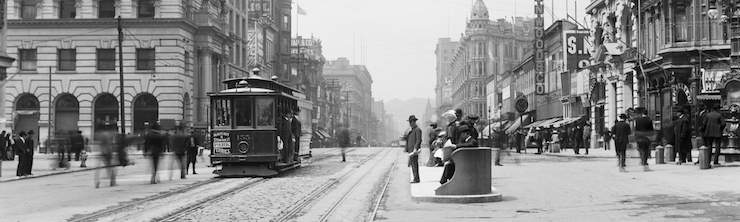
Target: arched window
pixel 146 111
pixel 105 112
pixel 66 113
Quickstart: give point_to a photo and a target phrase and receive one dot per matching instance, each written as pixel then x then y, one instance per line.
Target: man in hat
pixel 682 136
pixel 413 146
pixel 643 131
pixel 621 132
pixel 711 130
pixel 296 129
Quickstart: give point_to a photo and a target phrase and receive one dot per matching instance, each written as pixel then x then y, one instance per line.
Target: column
pixel 610 111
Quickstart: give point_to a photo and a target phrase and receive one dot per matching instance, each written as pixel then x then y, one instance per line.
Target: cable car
pixel 250 128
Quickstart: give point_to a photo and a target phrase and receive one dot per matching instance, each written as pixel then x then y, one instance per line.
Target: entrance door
pixel 67 113
pixel 146 110
pixel 105 113
pixel 27 115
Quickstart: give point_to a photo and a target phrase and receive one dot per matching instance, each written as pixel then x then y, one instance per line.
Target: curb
pixel 53 174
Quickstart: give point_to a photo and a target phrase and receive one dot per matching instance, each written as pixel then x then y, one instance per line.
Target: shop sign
pixel 710 80
pixel 577 49
pixel 539 48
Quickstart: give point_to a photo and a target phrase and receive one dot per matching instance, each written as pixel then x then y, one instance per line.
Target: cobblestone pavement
pixel 274 197
pixel 548 188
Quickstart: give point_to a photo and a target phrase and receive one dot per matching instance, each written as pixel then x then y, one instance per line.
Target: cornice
pixel 101 23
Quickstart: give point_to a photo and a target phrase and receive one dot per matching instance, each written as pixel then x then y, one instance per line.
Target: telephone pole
pixel 120 75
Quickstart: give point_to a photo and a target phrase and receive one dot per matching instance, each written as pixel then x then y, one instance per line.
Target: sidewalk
pixel 46 165
pixel 601 153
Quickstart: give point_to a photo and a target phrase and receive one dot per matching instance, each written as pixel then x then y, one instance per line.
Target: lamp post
pixel 500 127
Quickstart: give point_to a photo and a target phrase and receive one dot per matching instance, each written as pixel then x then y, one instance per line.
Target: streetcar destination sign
pixel 221 142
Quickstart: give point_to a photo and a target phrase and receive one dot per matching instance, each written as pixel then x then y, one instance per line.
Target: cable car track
pixel 305 202
pixel 178 214
pixel 381 196
pixel 122 207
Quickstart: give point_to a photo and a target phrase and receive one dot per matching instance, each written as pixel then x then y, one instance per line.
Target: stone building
pixel 356 84
pixel 444 52
pixel 486 48
pixel 174 52
pixel 307 64
pixel 5 63
pixel 613 80
pixel 269 30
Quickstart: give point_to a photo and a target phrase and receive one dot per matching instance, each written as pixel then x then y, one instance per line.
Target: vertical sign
pixel 539 48
pixel 2 14
pixel 577 49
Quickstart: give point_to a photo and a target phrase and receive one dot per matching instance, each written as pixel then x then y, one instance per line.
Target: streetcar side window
pixel 265 111
pixel 243 112
pixel 222 112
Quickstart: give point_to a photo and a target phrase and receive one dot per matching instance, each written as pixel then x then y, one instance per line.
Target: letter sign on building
pixel 539 48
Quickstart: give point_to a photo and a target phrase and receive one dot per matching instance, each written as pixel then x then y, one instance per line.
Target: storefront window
pixel 222 112
pixel 243 112
pixel 265 112
pixel 733 92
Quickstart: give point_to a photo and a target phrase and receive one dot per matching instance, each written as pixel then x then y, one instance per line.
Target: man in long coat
pixel 296 128
pixel 413 147
pixel 19 145
pixel 621 132
pixel 682 132
pixel 643 131
pixel 711 129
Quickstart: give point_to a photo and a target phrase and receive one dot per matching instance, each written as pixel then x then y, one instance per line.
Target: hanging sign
pixel 539 48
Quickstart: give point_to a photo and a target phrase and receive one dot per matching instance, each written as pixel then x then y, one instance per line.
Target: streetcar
pixel 250 125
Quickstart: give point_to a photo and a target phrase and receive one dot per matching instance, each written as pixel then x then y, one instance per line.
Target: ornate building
pixel 66 77
pixel 356 83
pixel 486 48
pixel 269 31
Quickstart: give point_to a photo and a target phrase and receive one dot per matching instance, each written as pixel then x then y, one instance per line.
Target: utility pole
pixel 120 75
pixel 48 128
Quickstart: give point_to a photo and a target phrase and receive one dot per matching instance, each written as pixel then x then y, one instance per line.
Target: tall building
pixel 356 84
pixel 5 62
pixel 269 28
pixel 443 89
pixel 307 64
pixel 238 16
pixel 66 77
pixel 486 48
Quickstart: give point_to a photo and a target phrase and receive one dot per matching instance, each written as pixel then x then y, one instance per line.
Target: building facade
pixel 5 63
pixel 614 73
pixel 356 84
pixel 173 54
pixel 269 34
pixel 486 48
pixel 444 53
pixel 307 62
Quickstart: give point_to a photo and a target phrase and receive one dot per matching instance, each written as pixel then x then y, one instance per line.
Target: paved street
pixel 547 188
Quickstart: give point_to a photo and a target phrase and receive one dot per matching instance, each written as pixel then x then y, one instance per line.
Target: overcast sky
pixel 396 39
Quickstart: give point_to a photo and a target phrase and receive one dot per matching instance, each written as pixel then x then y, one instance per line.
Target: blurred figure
pixel 285 133
pixel 19 145
pixel 621 132
pixel 3 146
pixel 179 142
pixel 83 159
pixel 153 145
pixel 643 131
pixel 682 132
pixel 607 138
pixel 192 151
pixel 78 144
pixel 344 140
pixel 586 137
pixel 30 149
pixel 106 141
pixel 711 130
pixel 61 143
pixel 296 127
pixel 433 132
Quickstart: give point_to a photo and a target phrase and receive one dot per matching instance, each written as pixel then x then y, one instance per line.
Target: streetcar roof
pixel 247 90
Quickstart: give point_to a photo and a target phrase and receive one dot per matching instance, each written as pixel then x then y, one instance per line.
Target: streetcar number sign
pixel 221 142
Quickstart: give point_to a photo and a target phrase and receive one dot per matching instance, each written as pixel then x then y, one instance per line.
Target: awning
pixel 495 127
pixel 543 123
pixel 324 133
pixel 515 125
pixel 566 121
pixel 318 135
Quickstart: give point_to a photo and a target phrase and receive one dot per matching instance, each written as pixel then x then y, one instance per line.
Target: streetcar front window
pixel 222 112
pixel 265 112
pixel 243 112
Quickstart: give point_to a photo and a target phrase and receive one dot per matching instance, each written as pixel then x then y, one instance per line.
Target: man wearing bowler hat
pixel 413 147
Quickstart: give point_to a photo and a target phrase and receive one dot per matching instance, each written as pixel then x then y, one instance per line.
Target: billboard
pixel 577 49
pixel 539 48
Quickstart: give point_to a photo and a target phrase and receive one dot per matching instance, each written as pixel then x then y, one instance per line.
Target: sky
pixel 396 39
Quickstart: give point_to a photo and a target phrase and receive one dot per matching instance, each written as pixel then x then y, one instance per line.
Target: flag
pixel 300 10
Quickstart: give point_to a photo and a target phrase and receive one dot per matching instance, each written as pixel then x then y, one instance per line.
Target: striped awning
pixel 709 97
pixel 543 123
